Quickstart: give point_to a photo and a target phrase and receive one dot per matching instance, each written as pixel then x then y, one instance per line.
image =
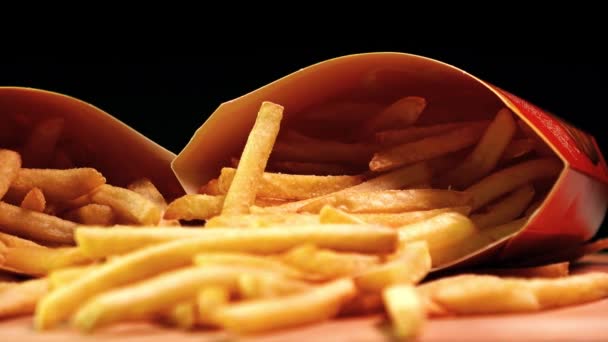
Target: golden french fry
pixel 405 135
pixel 21 298
pixel 14 241
pixel 145 298
pixel 38 261
pixel 508 209
pixel 208 301
pixel 401 219
pixel 65 275
pixel 34 225
pixel 332 152
pixel 405 309
pixel 326 263
pixel 401 113
pixel 34 200
pixel 271 285
pixel 39 149
pixel 254 158
pixel 268 220
pixel 311 168
pixel 253 261
pixel 211 188
pixel 409 266
pixel 4 284
pixel 556 270
pixel 102 242
pixel 329 214
pixel 296 187
pixel 195 206
pixel 146 188
pixel 127 204
pixel 517 148
pixel 57 185
pixel 486 154
pixel 318 304
pixel 92 214
pixel 508 179
pixel 424 149
pixel 391 201
pixel 10 163
pixel 484 294
pixel 396 179
pixel 182 315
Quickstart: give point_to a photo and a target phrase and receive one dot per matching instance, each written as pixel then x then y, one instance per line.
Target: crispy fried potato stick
pixel 254 158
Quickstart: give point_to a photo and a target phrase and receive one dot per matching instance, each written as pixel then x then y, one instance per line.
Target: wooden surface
pixel 587 322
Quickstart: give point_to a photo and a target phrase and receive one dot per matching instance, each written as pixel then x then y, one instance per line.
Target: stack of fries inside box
pixel 302 225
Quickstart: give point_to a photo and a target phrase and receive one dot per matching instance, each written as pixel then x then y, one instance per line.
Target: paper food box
pixel 338 98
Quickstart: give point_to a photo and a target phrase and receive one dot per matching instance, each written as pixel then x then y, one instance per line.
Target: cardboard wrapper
pixel 89 137
pixel 571 213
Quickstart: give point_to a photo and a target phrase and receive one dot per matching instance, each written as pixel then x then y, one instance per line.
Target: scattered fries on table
pixel 300 228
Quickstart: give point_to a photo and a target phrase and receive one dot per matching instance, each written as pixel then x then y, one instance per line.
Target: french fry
pixel 254 158
pixel 252 261
pixel 208 301
pixel 36 226
pixel 102 242
pixel 318 304
pixel 34 200
pixel 10 163
pixel 327 263
pixel 39 261
pixel 405 135
pixel 4 285
pixel 128 205
pixel 182 315
pixel 271 285
pixel 57 185
pixel 329 215
pixel 295 187
pixel 40 146
pixel 396 220
pixel 405 309
pixel 517 148
pixel 15 241
pixel 66 275
pixel 508 209
pixel 409 266
pixel 556 270
pixel 211 188
pixel 146 188
pixel 424 149
pixel 396 179
pixel 92 214
pixel 21 298
pixel 506 180
pixel 401 113
pixel 486 154
pixel 268 220
pixel 391 201
pixel 143 299
pixel 364 303
pixel 195 206
pixel 485 294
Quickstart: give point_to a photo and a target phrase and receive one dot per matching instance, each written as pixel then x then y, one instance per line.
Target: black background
pixel 168 97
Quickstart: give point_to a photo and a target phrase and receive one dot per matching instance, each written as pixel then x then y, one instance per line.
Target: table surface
pixel 587 322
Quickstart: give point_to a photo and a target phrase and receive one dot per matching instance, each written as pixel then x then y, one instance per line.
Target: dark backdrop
pixel 166 98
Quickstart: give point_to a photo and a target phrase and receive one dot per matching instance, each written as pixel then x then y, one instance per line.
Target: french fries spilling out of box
pixel 297 229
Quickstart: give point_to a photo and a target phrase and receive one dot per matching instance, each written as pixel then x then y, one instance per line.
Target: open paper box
pixel 571 213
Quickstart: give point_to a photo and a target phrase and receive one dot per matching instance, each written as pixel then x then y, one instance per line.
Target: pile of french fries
pixel 299 228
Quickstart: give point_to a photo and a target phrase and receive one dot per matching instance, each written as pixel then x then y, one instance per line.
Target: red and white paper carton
pixel 90 137
pixel 572 211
